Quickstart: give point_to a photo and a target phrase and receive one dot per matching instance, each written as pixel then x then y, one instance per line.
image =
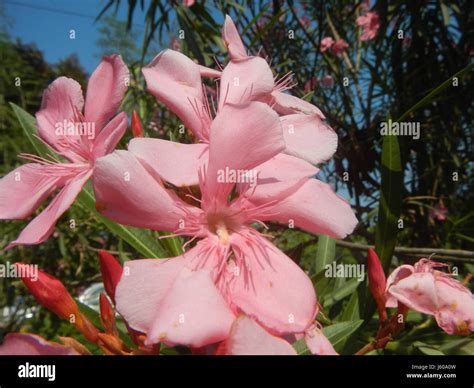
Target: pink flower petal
pixel 308 137
pixel 253 127
pixel 61 101
pixel 175 80
pixel 270 287
pixel 24 189
pixel 42 226
pixel 162 156
pixel 417 291
pixel 399 273
pixel 455 313
pixel 247 337
pixel 232 40
pixel 318 344
pixel 316 208
pixel 193 313
pixel 109 137
pixel 244 81
pixel 278 178
pixel 23 344
pixel 129 193
pixel 105 90
pixel 286 104
pixel 208 72
pixel 142 287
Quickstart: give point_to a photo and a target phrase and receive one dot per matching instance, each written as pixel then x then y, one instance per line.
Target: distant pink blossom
pixel 327 81
pixel 370 23
pixel 438 212
pixel 175 44
pixel 339 47
pixel 305 21
pixel 425 289
pixel 326 44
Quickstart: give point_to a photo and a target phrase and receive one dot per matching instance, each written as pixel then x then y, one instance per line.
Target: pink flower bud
pixel 377 282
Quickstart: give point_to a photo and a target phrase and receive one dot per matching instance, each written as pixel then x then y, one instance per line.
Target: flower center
pixel 222 225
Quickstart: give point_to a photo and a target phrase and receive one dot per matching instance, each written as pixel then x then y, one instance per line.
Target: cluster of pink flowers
pixel 370 24
pixel 337 47
pixel 233 291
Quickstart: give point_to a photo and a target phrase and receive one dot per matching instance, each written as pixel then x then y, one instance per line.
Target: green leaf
pixel 390 200
pixel 139 239
pixel 351 309
pixel 445 12
pixel 429 97
pixel 428 350
pixel 339 332
pixel 464 346
pixel 326 252
pixel 389 209
pixel 340 293
pixel 27 122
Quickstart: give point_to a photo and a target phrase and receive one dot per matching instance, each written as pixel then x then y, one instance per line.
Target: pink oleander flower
pixel 233 266
pixel 370 23
pixel 327 82
pixel 176 81
pixel 438 213
pixel 23 344
pixel 78 137
pixel 326 44
pixel 339 47
pixel 429 291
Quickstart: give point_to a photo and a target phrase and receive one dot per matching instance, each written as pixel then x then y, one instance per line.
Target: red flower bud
pixel 111 272
pixel 107 315
pixel 377 282
pixel 49 292
pixel 112 344
pixel 137 129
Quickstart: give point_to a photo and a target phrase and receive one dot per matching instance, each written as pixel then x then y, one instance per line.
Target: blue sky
pixel 47 24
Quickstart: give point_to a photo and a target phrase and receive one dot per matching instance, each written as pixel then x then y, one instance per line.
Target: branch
pixel 448 254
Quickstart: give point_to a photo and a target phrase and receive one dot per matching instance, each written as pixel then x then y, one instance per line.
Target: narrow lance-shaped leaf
pixel 325 253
